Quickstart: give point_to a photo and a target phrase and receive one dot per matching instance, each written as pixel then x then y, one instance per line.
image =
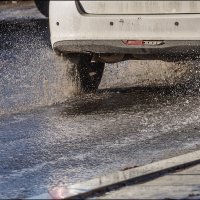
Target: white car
pixel 92 33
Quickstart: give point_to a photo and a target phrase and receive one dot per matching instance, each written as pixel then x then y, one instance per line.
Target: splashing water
pixel 31 75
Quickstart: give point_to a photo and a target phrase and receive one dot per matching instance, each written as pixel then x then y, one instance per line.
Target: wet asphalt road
pixel 44 145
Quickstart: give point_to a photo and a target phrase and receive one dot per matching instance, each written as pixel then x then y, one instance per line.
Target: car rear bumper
pixel 178 49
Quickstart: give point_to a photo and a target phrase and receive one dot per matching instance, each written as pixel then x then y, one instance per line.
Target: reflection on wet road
pixel 84 136
pixel 93 135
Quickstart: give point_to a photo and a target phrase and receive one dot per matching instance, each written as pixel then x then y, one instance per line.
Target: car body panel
pixel 69 24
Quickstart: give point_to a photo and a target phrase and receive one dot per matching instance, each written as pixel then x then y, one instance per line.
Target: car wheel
pixel 85 74
pixel 43 7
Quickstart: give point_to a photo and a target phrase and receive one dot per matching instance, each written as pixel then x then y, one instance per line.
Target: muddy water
pixel 30 76
pixel 125 124
pixel 94 135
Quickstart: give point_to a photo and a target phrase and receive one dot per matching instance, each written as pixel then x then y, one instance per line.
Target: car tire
pixel 43 6
pixel 85 74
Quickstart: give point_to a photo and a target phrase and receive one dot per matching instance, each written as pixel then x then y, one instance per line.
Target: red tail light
pixel 133 42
